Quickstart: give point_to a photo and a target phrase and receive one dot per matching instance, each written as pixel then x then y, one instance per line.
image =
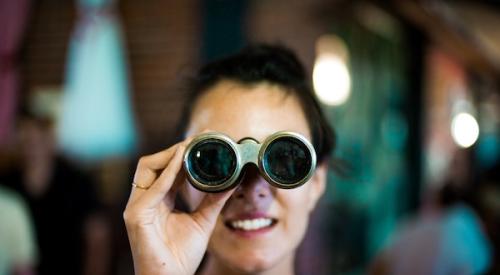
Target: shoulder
pixel 14 211
pixel 11 203
pixel 16 227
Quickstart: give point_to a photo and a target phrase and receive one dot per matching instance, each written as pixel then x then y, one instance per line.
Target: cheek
pixel 295 199
pixel 295 206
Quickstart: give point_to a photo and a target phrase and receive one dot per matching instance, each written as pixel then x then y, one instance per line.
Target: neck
pixel 214 266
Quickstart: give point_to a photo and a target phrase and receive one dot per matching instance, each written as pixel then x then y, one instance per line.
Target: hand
pixel 164 241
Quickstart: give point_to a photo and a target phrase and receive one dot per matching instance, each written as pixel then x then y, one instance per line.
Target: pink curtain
pixel 13 15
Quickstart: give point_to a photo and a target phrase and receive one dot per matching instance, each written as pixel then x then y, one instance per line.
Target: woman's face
pixel 260 226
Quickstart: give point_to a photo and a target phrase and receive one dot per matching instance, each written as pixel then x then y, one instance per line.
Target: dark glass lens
pixel 212 162
pixel 287 160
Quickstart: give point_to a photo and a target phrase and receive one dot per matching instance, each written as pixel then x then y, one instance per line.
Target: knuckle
pixel 202 221
pixel 142 161
pixel 128 216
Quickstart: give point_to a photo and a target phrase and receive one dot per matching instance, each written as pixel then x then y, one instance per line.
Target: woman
pixel 254 93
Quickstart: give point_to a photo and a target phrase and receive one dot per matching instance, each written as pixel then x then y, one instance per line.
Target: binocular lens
pixel 287 161
pixel 212 162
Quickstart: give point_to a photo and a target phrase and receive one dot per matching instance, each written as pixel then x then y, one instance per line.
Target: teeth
pixel 252 224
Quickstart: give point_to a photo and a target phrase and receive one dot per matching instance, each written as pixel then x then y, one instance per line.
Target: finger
pixel 207 212
pixel 162 185
pixel 170 197
pixel 145 174
pixel 148 166
pixel 147 169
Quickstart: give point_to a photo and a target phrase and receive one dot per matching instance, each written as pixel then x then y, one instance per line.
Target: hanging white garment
pixel 96 119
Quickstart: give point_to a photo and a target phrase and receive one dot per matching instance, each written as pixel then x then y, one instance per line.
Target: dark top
pixel 59 216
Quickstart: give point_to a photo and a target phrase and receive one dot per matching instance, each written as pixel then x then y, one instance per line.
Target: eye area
pixel 287 160
pixel 212 162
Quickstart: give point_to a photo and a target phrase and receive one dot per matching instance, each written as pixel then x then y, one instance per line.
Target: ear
pixel 318 184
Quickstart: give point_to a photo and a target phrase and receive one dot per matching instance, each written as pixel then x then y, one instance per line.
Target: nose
pixel 254 189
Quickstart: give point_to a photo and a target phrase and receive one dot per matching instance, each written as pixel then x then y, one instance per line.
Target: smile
pixel 251 224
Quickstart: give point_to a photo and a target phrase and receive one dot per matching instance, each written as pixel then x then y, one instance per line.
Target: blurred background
pixel 411 87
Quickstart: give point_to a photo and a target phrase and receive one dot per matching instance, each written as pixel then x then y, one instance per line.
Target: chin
pixel 251 266
pixel 252 262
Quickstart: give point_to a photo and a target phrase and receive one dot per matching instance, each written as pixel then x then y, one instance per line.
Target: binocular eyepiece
pixel 214 162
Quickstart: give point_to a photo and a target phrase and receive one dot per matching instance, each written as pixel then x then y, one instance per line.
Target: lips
pixel 251 223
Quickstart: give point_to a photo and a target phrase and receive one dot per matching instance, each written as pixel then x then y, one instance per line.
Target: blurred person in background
pixel 18 249
pixel 487 201
pixel 71 234
pixel 448 236
pixel 254 93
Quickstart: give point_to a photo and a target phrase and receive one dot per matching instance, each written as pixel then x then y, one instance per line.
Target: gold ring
pixel 139 186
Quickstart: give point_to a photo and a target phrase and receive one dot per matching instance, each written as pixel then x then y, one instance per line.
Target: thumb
pixel 207 212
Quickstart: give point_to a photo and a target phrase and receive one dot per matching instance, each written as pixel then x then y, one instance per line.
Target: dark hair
pixel 265 63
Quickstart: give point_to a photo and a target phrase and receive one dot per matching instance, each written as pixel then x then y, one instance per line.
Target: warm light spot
pixel 464 130
pixel 331 79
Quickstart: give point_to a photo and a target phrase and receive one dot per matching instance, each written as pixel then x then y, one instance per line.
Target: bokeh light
pixel 464 130
pixel 331 79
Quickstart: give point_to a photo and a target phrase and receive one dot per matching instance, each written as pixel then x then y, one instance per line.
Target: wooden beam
pixel 457 43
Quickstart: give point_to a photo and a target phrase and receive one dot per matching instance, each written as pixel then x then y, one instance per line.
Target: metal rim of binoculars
pixel 247 151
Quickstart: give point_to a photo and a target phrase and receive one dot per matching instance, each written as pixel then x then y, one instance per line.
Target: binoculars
pixel 214 162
